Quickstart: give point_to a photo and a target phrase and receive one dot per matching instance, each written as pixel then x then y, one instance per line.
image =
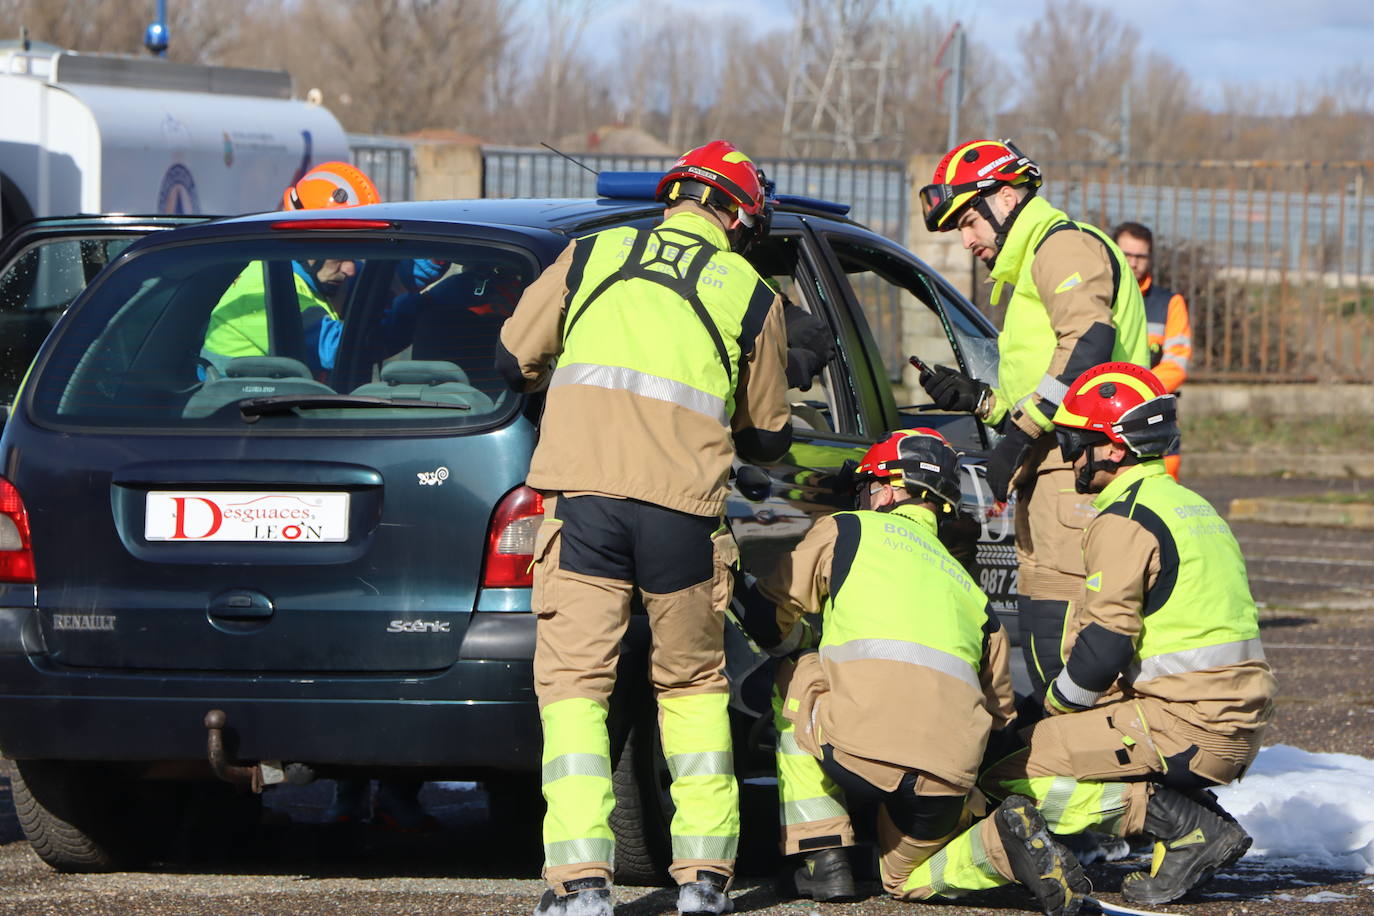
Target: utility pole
pixel 1126 119
pixel 954 88
pixel 839 99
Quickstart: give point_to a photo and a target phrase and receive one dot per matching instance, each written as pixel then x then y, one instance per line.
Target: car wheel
pixel 643 807
pixel 73 815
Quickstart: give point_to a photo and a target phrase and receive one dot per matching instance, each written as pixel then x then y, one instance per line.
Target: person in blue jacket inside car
pixel 238 323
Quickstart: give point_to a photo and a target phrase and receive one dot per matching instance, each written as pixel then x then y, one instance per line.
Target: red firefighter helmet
pixel 919 459
pixel 716 174
pixel 331 184
pixel 1121 403
pixel 968 171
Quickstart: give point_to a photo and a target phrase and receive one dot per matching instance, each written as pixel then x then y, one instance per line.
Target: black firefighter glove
pixel 810 346
pixel 1005 459
pixel 951 390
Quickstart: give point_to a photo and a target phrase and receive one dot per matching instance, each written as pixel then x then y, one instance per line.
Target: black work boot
pixel 705 896
pixel 1191 843
pixel 582 897
pixel 823 876
pixel 1046 868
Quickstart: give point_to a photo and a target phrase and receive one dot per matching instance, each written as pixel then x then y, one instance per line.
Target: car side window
pixel 898 303
pixel 824 406
pixel 912 312
pixel 36 289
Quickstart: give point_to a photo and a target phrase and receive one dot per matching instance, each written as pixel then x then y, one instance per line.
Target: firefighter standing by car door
pixel 900 618
pixel 1165 691
pixel 1074 305
pixel 668 345
pixel 1166 319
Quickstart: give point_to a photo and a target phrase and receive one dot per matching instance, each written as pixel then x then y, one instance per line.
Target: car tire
pixel 643 808
pixel 71 814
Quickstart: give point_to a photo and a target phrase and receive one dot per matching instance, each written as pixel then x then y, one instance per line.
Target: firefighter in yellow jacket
pixel 1165 692
pixel 1074 305
pixel 670 355
pixel 900 618
pixel 1166 319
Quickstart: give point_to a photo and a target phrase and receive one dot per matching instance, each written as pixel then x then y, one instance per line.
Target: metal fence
pixel 1276 259
pixel 388 161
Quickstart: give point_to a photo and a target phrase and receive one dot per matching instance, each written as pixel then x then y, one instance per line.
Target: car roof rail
pixel 644 185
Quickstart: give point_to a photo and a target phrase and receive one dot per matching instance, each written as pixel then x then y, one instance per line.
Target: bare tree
pixel 84 25
pixel 1161 98
pixel 1075 58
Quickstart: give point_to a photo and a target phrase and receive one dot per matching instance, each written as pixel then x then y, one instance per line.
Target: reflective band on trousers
pixel 643 384
pixel 1051 389
pixel 1155 327
pixel 576 765
pixel 1185 660
pixel 812 809
pixel 710 848
pixel 1069 690
pixel 898 650
pixel 1178 340
pixel 575 852
pixel 705 763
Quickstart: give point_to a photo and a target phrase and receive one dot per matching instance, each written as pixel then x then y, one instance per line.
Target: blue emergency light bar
pixel 643 185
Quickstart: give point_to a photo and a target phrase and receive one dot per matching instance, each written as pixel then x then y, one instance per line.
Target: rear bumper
pixel 461 735
pixel 480 713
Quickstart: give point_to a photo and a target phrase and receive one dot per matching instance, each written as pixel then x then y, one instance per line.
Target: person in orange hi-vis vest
pixel 1166 317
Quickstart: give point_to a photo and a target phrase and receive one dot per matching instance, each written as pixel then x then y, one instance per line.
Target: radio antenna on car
pixel 569 158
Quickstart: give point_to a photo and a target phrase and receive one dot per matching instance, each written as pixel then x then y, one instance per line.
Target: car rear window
pixel 318 333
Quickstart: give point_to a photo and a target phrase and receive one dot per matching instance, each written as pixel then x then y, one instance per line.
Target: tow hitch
pixel 259 776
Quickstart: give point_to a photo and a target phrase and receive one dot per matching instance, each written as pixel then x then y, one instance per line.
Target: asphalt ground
pixel 1317 612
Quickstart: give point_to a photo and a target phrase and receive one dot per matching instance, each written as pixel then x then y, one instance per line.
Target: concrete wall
pixel 447 171
pixel 1278 400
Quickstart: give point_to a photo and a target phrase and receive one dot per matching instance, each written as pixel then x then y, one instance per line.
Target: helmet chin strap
pixel 1083 479
pixel 1001 227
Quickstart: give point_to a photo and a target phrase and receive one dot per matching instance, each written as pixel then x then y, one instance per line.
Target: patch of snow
pixel 1306 809
pixel 1326 897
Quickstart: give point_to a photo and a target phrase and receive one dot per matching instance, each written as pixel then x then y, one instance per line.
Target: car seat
pixel 253 377
pixel 435 380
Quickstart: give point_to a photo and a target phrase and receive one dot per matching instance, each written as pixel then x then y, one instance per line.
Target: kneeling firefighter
pixel 900 618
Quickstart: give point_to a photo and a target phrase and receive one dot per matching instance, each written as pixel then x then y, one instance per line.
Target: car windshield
pixel 288 333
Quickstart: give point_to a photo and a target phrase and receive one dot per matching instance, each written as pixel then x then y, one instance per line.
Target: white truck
pixel 91 133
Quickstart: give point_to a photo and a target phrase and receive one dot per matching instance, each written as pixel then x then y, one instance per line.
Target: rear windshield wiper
pixel 252 408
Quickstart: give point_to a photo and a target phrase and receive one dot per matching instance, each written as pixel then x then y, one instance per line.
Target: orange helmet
pixel 967 172
pixel 919 459
pixel 331 184
pixel 1120 403
pixel 710 172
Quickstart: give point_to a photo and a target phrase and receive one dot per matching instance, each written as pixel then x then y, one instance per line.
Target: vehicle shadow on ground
pixel 293 840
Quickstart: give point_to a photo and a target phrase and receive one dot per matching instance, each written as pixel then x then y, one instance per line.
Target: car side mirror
pixel 753 483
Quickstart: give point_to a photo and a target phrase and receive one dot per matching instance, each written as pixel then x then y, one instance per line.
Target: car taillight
pixel 509 560
pixel 16 551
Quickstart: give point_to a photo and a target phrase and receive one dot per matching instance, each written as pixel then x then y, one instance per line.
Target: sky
pixel 1263 44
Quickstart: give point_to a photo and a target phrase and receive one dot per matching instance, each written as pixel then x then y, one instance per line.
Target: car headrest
pixel 422 372
pixel 266 367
